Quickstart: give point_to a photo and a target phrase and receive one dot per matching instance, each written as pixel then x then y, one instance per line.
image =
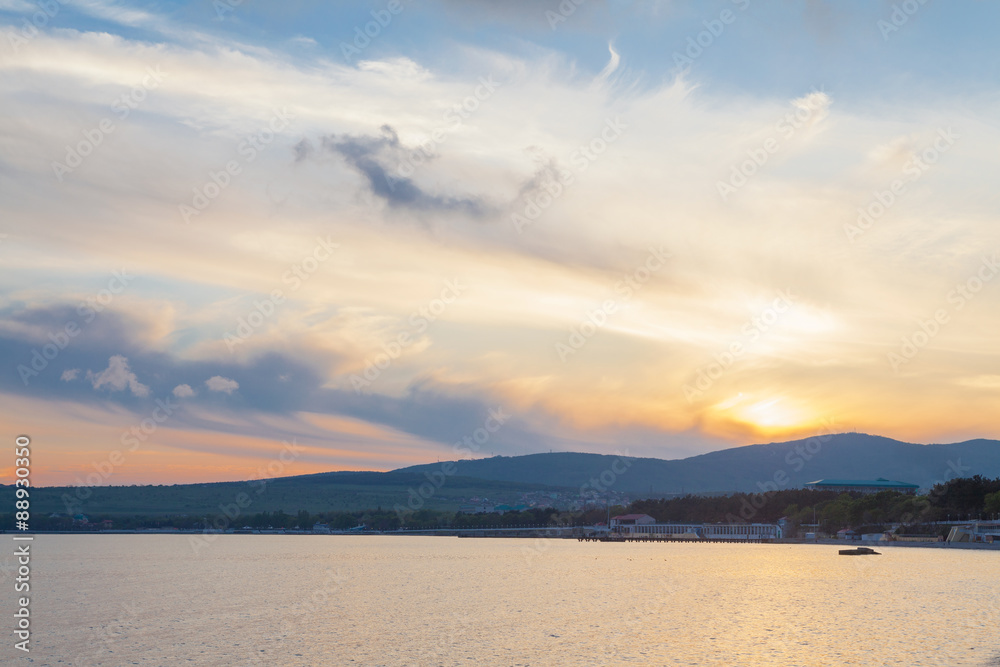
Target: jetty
pixel 672 538
pixel 644 528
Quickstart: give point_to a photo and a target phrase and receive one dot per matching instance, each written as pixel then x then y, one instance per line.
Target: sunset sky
pixel 667 227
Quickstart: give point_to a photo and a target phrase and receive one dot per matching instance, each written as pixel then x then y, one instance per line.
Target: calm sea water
pixel 386 600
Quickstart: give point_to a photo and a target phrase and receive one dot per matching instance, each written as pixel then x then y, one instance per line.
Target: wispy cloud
pixel 17 6
pixel 612 65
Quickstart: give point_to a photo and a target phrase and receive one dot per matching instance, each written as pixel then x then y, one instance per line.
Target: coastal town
pixel 886 512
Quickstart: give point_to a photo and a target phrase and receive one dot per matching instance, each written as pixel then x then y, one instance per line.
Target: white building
pixel 742 531
pixel 979 531
pixel 639 525
pixel 624 521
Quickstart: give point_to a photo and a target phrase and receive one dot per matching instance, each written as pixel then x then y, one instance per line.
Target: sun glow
pixel 763 414
pixel 772 413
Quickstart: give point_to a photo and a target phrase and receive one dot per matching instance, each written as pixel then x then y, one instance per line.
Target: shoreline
pixel 890 543
pixel 536 533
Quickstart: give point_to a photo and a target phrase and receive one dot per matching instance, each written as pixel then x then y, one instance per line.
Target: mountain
pixel 748 468
pixel 320 492
pixel 506 479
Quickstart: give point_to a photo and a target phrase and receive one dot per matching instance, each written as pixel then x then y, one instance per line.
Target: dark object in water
pixel 859 551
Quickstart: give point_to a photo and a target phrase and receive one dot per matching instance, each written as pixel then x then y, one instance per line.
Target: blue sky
pixel 769 49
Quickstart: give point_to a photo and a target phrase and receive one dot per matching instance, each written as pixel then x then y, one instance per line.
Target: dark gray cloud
pixel 427 410
pixel 271 383
pixel 376 157
pixel 303 150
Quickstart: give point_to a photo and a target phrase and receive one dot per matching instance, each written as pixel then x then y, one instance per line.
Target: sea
pixel 405 600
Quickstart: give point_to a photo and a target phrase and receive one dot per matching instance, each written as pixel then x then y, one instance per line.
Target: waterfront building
pixel 976 531
pixel 643 525
pixel 625 520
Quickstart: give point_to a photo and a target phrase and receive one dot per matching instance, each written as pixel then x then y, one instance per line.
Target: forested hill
pixel 841 456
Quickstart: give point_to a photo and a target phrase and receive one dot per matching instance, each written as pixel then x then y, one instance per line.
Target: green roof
pixel 881 482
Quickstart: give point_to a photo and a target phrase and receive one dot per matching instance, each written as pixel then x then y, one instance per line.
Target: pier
pixel 644 528
pixel 667 538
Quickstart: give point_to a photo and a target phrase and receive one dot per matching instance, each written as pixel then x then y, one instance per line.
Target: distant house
pixel 631 520
pixel 862 485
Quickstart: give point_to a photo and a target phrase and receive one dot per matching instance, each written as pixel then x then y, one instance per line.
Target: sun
pixel 774 413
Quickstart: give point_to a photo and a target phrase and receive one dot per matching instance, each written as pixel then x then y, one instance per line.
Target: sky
pixel 244 239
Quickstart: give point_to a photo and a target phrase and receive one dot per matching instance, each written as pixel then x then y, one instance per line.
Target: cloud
pixel 612 65
pixel 219 383
pixel 655 185
pixel 118 376
pixel 17 6
pixel 141 19
pixel 183 391
pixel 369 155
pixel 70 374
pixel 261 387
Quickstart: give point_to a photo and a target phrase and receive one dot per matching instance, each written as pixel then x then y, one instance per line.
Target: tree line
pixel 957 499
pixel 828 511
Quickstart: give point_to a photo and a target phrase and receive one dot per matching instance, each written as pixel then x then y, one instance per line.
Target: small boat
pixel 859 551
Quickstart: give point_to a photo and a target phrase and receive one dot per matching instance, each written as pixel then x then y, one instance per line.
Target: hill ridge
pixel 753 467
